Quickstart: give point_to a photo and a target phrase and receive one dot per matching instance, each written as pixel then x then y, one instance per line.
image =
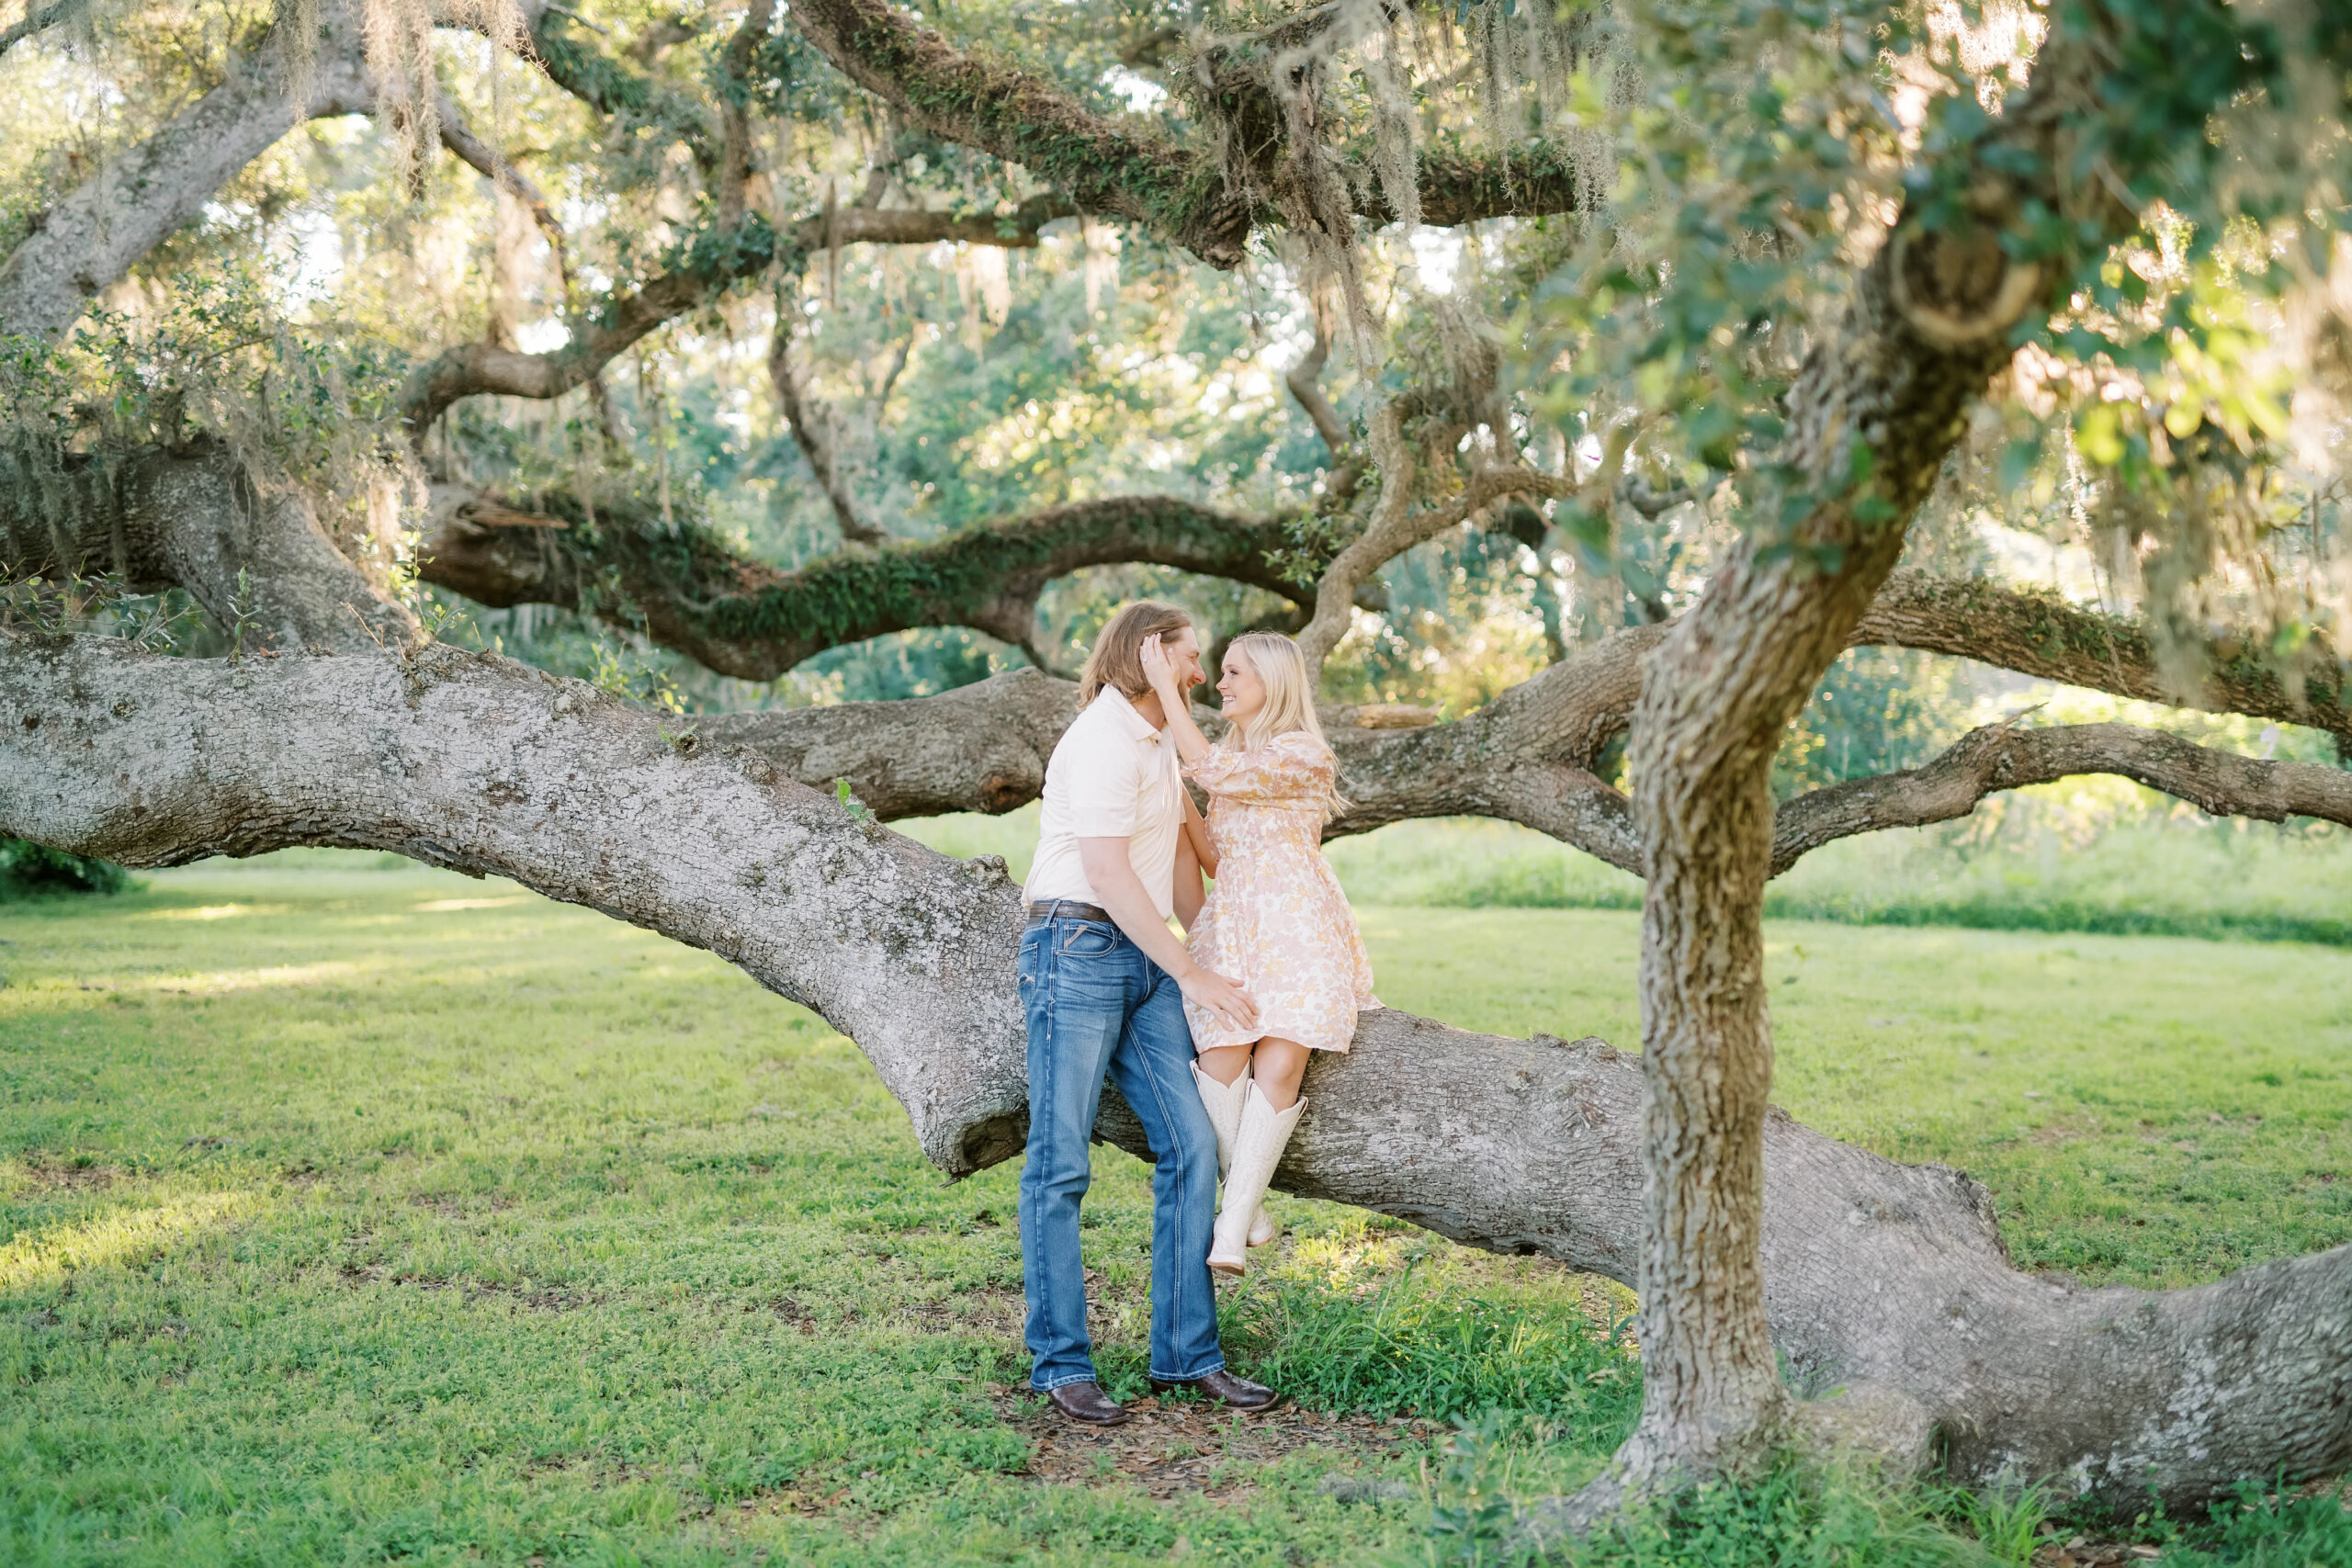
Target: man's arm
pixel 1120 892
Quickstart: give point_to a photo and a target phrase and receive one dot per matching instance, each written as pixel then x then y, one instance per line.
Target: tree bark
pixel 1886 1279
pixel 194 518
pixel 1884 394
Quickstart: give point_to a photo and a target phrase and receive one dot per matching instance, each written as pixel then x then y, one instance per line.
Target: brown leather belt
pixel 1069 909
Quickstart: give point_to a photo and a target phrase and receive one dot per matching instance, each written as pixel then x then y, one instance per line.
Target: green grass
pixel 2244 880
pixel 360 1215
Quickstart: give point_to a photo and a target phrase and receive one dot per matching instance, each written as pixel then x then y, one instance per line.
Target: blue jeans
pixel 1096 1003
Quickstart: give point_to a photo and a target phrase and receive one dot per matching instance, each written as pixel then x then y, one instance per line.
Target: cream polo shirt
pixel 1112 776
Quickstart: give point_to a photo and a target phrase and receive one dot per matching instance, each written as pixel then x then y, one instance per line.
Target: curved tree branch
pixel 686 591
pixel 1120 167
pixel 699 273
pixel 91 238
pixel 812 432
pixel 1107 165
pixel 500 170
pixel 2004 756
pixel 1395 527
pixel 2035 632
pixel 1304 380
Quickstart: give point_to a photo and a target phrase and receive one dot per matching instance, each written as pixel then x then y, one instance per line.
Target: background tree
pixel 1721 337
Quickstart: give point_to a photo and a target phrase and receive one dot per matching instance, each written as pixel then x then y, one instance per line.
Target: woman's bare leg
pixel 1279 1065
pixel 1226 1063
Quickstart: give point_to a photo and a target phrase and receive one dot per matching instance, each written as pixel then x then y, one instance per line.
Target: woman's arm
pixel 1190 744
pixel 1196 834
pixel 1189 896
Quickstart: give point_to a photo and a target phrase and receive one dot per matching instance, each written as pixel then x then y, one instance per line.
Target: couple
pixel 1206 1036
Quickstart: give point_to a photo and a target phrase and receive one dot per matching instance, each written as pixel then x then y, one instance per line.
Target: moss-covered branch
pixel 1117 166
pixel 1121 166
pixel 688 590
pixel 2035 632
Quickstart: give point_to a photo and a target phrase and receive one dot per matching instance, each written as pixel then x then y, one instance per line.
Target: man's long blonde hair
pixel 1290 698
pixel 1117 659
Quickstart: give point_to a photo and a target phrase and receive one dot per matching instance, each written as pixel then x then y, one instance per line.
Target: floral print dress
pixel 1276 923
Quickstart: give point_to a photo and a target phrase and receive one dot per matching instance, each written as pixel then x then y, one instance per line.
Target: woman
pixel 1276 920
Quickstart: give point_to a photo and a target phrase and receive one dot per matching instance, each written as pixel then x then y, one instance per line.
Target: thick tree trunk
pixel 1715 700
pixel 193 518
pixel 1886 1279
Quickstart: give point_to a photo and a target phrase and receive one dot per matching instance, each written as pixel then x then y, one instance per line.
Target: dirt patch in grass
pixel 457 1206
pixel 2080 1551
pixel 1190 1448
pixel 537 1298
pixel 984 1309
pixel 57 1176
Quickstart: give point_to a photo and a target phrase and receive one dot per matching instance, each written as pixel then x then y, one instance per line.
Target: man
pixel 1103 979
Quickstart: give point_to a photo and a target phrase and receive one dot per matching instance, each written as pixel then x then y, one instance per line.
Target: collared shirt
pixel 1112 776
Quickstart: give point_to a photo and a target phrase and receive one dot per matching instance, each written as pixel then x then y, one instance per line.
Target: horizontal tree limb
pixel 172 518
pixel 1890 1280
pixel 2036 632
pixel 689 591
pixel 2005 756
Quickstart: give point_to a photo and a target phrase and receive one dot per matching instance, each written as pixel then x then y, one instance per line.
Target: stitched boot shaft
pixel 1258 1148
pixel 1223 1102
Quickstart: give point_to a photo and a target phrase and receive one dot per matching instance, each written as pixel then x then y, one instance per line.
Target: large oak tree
pixel 1793 291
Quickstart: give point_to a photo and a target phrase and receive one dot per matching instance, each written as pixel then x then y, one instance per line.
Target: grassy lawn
pixel 361 1214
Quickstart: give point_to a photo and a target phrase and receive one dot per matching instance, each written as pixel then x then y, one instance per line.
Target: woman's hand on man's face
pixel 1158 668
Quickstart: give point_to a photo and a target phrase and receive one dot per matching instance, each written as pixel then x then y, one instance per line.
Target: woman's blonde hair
pixel 1290 697
pixel 1117 659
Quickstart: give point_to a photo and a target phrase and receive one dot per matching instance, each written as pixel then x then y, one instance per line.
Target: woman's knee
pixel 1278 1066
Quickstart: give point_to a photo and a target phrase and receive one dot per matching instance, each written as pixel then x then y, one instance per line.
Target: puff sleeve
pixel 1295 769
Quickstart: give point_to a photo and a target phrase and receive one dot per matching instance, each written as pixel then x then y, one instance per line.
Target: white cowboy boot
pixel 1258 1148
pixel 1223 1102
